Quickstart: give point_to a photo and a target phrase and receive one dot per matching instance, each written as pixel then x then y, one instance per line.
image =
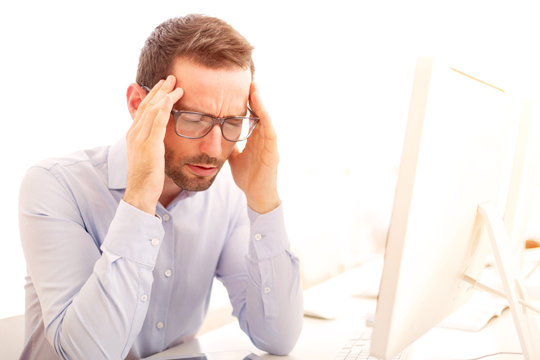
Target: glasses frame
pixel 215 121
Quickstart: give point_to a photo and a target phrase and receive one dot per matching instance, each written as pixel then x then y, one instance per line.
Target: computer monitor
pixel 459 152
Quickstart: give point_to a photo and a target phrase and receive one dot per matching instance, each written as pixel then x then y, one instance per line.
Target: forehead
pixel 223 91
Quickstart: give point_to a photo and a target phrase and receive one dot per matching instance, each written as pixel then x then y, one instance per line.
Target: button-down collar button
pixel 166 217
pixel 168 273
pixel 267 290
pixel 155 241
pixel 159 325
pixel 258 236
pixel 144 298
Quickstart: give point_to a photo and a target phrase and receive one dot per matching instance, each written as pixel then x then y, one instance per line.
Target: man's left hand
pixel 255 168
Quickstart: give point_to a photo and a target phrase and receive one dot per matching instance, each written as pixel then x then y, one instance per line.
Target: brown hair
pixel 206 40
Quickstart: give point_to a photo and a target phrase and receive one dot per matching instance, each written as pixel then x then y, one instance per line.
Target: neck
pixel 170 191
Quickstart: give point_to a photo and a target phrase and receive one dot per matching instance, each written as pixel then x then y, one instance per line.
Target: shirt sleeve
pixel 93 302
pixel 263 281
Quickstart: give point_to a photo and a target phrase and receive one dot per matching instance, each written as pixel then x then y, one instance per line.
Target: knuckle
pixel 130 135
pixel 143 104
pixel 166 102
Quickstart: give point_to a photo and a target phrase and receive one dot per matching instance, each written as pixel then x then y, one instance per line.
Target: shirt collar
pixel 118 166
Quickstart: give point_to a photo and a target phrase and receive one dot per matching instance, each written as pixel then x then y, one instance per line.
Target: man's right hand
pixel 145 147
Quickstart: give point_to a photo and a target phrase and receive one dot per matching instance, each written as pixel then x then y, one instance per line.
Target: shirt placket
pixel 164 281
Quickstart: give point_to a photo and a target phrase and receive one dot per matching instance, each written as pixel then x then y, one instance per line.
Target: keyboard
pixel 357 348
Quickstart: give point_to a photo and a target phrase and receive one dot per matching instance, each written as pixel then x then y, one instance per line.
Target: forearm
pixel 91 302
pixel 274 303
pixel 108 312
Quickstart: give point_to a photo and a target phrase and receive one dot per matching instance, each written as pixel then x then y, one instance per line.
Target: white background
pixel 335 75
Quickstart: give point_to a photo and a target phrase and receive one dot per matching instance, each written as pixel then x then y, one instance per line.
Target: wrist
pixel 265 205
pixel 139 202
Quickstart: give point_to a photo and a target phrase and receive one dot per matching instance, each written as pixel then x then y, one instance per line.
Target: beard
pixel 175 169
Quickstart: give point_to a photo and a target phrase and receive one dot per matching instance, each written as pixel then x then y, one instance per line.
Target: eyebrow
pixel 182 107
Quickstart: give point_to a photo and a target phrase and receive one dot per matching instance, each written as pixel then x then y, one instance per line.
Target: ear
pixel 135 94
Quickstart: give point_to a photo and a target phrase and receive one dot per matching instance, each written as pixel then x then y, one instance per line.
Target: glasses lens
pixel 238 128
pixel 195 125
pixel 192 125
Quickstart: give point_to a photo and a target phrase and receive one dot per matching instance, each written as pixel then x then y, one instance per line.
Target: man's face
pixel 194 163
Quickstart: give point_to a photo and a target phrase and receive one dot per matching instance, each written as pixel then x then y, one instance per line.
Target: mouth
pixel 202 170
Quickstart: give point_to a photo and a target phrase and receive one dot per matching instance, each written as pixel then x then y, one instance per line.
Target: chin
pixel 199 185
pixel 191 182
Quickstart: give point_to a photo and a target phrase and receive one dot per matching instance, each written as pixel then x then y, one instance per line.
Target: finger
pixel 264 135
pixel 161 89
pixel 166 87
pixel 152 114
pixel 159 126
pixel 142 109
pixel 149 110
pixel 235 161
pixel 233 155
pixel 255 101
pixel 259 109
pixel 146 99
pixel 267 129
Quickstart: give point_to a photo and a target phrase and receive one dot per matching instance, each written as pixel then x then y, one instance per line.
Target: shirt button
pixel 155 241
pixel 159 325
pixel 267 290
pixel 258 236
pixel 168 273
pixel 144 298
pixel 166 217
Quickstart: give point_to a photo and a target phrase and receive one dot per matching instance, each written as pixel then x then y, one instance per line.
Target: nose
pixel 211 143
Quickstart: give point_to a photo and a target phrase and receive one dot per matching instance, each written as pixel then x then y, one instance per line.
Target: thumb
pixel 234 155
pixel 235 164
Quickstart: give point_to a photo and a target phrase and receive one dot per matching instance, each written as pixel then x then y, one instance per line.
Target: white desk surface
pixel 322 339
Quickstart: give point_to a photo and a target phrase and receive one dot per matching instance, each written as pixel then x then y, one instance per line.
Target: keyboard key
pixel 357 348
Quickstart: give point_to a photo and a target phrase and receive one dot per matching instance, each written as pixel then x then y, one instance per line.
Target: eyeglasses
pixel 195 125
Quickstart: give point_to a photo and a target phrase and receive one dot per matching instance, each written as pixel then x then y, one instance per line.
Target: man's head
pixel 204 40
pixel 212 63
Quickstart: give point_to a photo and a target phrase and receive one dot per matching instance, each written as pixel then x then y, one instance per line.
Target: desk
pixel 322 339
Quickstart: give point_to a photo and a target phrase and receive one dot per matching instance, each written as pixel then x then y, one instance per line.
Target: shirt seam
pixel 50 163
pixel 54 173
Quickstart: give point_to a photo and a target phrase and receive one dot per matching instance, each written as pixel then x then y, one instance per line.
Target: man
pixel 122 243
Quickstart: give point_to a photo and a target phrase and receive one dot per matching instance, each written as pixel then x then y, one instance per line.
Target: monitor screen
pixel 458 153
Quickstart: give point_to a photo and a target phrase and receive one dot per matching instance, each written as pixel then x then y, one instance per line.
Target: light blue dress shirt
pixel 108 281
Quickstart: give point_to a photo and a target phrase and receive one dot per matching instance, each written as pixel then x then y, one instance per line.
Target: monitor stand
pixel 524 320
